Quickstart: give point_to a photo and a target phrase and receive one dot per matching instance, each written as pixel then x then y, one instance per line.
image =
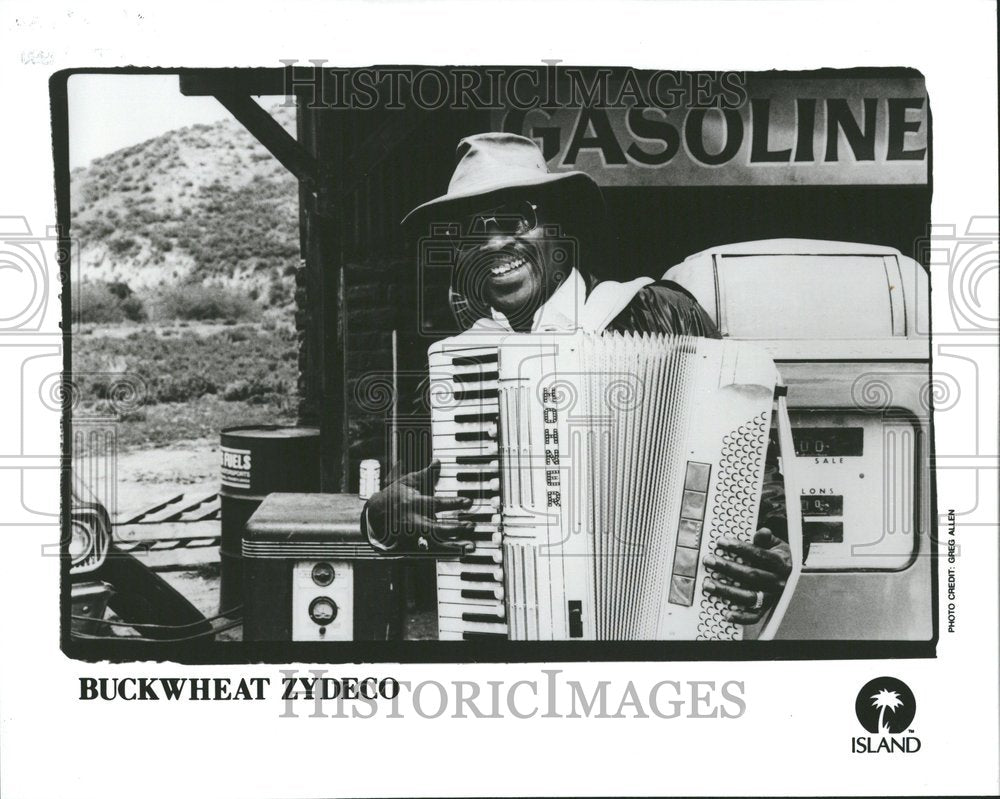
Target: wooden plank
pixel 278 141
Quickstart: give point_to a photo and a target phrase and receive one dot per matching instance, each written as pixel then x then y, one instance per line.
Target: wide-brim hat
pixel 491 165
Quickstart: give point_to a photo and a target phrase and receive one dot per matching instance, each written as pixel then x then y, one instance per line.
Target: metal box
pixel 310 575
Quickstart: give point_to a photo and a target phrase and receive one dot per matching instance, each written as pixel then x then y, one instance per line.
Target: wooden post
pixel 321 222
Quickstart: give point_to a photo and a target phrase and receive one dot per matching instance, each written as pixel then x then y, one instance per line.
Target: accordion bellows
pixel 603 468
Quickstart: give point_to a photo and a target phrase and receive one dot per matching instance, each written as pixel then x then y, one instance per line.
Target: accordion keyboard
pixel 464 416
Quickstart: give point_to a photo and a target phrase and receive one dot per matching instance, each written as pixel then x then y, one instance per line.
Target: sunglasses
pixel 509 219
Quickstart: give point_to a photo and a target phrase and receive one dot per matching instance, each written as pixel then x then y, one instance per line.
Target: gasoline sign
pixel 761 130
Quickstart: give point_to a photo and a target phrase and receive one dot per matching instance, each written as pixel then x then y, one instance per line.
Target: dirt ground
pixel 147 477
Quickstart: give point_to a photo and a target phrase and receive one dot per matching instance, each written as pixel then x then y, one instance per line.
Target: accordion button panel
pixel 464 418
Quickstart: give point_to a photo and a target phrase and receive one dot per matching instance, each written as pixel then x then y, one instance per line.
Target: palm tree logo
pixel 885 706
pixel 885 700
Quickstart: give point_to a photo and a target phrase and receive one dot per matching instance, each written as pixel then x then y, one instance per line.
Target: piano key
pixel 476 418
pixel 480 516
pixel 491 356
pixel 482 522
pixel 485 618
pixel 485 383
pixel 481 593
pixel 457 609
pixel 485 548
pixel 475 377
pixel 455 591
pixel 491 505
pixel 470 460
pixel 484 517
pixel 445 445
pixel 466 395
pixel 477 477
pixel 449 624
pixel 468 407
pixel 459 429
pixel 474 471
pixel 458 593
pixel 471 572
pixel 483 536
pixel 451 469
pixel 489 487
pixel 447 434
pixel 476 435
pixel 459 380
pixel 481 557
pixel 466 346
pixel 488 493
pixel 457 358
pixel 444 390
pixel 472 415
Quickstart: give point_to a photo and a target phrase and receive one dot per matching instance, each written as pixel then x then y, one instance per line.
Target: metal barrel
pixel 258 460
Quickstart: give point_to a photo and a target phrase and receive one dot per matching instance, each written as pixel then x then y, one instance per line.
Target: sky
pixel 109 112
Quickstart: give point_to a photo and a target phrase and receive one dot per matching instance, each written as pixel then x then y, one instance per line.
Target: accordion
pixel 602 469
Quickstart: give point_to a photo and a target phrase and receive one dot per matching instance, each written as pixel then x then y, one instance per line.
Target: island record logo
pixel 885 707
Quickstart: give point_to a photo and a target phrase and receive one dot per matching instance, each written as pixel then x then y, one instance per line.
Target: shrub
pixel 120 289
pixel 226 365
pixel 254 390
pixel 181 388
pixel 124 245
pixel 197 302
pixel 239 334
pixel 278 293
pixel 107 303
pixel 133 309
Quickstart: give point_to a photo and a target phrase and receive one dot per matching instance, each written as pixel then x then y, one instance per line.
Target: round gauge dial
pixel 322 610
pixel 322 574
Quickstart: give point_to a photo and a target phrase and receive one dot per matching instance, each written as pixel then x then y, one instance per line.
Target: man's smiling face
pixel 507 255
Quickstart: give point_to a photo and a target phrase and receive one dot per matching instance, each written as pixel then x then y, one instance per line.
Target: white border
pixel 795 735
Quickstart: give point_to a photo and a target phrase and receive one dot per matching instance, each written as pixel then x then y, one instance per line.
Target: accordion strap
pixel 607 300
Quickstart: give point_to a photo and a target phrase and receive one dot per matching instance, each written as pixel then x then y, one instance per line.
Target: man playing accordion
pixel 517 278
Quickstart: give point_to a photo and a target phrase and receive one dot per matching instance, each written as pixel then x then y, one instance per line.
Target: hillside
pixel 205 203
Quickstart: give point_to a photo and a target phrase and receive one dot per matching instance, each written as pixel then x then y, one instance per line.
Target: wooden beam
pixel 278 141
pixel 325 334
pixel 254 81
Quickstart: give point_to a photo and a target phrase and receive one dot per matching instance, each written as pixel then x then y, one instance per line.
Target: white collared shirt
pixel 571 308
